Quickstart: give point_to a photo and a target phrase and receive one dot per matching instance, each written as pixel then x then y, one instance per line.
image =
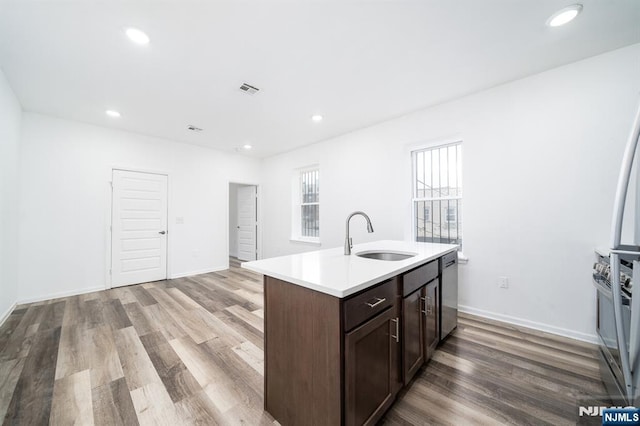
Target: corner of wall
pixel 10 123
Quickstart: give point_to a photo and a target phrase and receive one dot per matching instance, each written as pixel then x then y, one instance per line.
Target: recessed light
pixel 247 146
pixel 137 36
pixel 112 113
pixel 317 118
pixel 564 16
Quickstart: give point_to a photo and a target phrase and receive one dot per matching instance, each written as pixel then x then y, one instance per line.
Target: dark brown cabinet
pixel 420 305
pixel 413 334
pixel 371 368
pixel 431 314
pixel 342 361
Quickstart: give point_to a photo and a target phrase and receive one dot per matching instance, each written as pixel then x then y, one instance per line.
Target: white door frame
pixel 258 217
pixel 109 224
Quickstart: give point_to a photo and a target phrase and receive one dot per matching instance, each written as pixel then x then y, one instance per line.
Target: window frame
pixel 413 151
pixel 298 203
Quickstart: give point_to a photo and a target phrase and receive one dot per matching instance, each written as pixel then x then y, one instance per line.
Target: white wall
pixel 10 115
pixel 65 202
pixel 540 163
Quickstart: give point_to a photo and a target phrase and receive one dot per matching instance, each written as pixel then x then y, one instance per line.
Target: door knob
pixel 162 232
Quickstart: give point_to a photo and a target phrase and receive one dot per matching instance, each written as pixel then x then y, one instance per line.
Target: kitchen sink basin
pixel 385 255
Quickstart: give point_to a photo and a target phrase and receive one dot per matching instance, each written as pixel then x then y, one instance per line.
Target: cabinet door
pixel 431 315
pixel 413 334
pixel 371 368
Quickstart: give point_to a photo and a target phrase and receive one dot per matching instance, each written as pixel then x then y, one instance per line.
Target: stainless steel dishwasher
pixel 448 293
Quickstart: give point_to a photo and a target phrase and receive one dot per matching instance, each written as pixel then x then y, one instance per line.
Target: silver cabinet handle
pixel 424 311
pixel 162 232
pixel 373 305
pixel 397 336
pixel 429 306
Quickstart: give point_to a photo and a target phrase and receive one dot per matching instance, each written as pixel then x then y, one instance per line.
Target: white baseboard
pixel 61 294
pixel 201 271
pixel 5 315
pixel 585 337
pixel 99 288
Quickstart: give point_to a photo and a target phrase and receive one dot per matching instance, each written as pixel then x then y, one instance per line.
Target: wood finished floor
pixel 190 351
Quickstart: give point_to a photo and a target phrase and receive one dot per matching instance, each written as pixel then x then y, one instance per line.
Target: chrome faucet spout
pixel 348 243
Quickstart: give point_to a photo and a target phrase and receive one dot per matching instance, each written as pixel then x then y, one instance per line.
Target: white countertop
pixel 331 272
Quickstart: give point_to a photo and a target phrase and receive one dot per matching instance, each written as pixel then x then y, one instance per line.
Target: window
pixel 451 214
pixel 306 214
pixel 437 194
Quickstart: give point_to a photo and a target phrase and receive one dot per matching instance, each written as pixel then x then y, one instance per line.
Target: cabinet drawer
pixel 368 304
pixel 413 280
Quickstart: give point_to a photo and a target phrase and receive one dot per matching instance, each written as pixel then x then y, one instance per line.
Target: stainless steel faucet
pixel 347 241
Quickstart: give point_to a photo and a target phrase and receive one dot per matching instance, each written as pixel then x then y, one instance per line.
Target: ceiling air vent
pixel 247 88
pixel 194 128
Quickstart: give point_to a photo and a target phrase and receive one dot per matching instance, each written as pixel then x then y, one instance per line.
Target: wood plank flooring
pixel 190 351
pixel 489 372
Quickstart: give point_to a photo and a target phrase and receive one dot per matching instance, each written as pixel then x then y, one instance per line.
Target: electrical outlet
pixel 503 282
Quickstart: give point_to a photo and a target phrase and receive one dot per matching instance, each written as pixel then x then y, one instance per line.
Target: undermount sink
pixel 385 255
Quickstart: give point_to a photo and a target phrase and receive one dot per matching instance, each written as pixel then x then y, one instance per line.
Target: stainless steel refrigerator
pixel 618 311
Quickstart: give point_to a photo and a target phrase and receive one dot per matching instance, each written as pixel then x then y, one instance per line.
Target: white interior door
pixel 247 223
pixel 139 228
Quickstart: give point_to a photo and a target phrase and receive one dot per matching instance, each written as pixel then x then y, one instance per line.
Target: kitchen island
pixel 343 334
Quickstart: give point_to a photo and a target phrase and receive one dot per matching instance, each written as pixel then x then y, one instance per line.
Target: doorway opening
pixel 243 221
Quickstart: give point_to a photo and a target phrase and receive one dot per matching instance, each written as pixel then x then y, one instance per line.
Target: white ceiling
pixel 356 62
